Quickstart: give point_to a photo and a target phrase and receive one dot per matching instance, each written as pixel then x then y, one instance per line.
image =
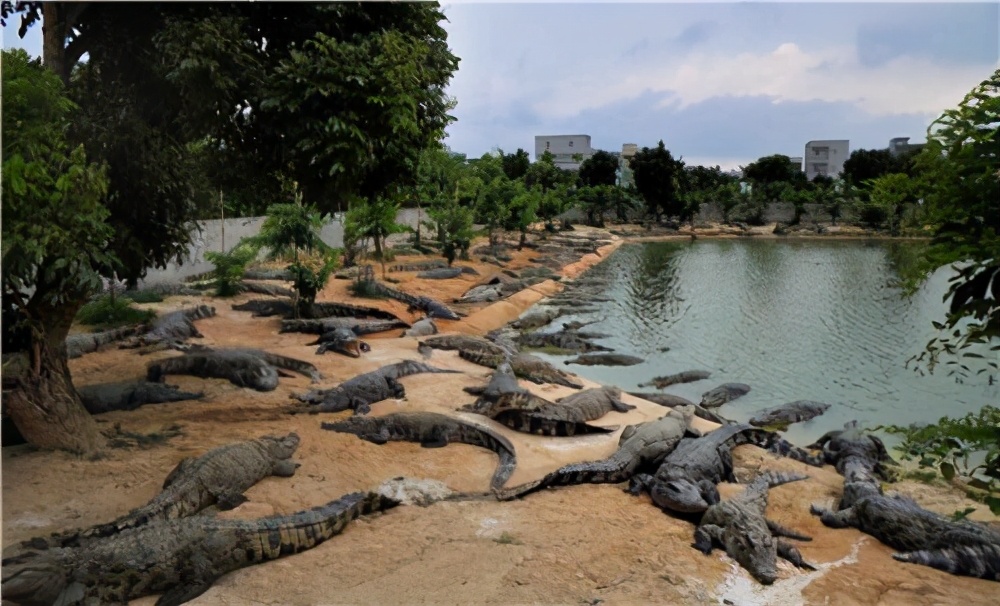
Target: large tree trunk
pixel 43 404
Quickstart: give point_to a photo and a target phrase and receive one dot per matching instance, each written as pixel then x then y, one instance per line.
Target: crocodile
pixel 129 395
pixel 786 414
pixel 268 274
pixel 503 381
pixel 564 340
pixel 431 430
pixel 173 327
pixel 287 309
pixel 179 559
pixel 686 480
pixel 219 477
pixel 605 359
pixel 536 317
pixel 672 401
pixel 536 370
pixel 687 376
pixel 360 392
pixel 341 340
pixel 470 343
pixel 422 328
pixel 431 307
pixel 525 412
pixel 640 446
pixel 739 526
pixel 440 273
pixel 418 266
pixel 88 342
pixel 243 367
pixel 263 288
pixel 358 325
pixel 727 392
pixel 960 547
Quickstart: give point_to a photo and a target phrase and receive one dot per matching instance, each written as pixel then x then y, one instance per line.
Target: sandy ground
pixel 575 545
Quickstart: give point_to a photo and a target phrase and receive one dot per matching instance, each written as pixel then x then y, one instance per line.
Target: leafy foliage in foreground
pixel 110 312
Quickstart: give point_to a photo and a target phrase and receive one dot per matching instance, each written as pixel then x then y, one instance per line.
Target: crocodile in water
pixel 786 414
pixel 727 392
pixel 605 359
pixel 687 376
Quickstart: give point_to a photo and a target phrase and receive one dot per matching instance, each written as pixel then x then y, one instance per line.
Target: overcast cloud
pixel 719 83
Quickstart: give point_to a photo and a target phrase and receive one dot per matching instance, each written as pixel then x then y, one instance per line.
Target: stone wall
pixel 212 234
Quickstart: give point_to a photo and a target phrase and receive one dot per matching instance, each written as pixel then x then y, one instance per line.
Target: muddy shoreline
pixel 582 544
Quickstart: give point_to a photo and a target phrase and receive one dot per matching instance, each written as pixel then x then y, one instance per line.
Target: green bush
pixel 143 296
pixel 229 267
pixel 107 312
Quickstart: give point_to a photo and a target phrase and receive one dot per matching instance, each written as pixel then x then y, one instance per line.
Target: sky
pixel 720 83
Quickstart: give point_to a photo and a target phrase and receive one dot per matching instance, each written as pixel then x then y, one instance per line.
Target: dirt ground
pixel 575 545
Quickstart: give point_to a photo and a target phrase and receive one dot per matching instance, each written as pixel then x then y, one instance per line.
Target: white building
pixel 569 150
pixel 826 157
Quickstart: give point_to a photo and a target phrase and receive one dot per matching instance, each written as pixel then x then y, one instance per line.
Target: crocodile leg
pixel 845 518
pixel 706 536
pixel 783 531
pixel 790 553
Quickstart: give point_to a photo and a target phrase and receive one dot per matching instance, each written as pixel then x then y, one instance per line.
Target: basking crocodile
pixel 687 376
pixel 431 430
pixel 786 414
pixel 960 547
pixel 84 343
pixel 129 395
pixel 358 325
pixel 672 401
pixel 739 526
pixel 431 307
pixel 180 559
pixel 640 446
pixel 243 367
pixel 287 309
pixel 268 274
pixel 422 328
pixel 418 265
pixel 440 273
pixel 528 413
pixel 172 327
pixel 727 392
pixel 605 359
pixel 341 340
pixel 503 381
pixel 219 477
pixel 360 392
pixel 263 288
pixel 686 481
pixel 536 370
pixel 536 317
pixel 467 343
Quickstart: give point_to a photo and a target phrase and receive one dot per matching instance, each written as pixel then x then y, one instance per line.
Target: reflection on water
pixel 796 320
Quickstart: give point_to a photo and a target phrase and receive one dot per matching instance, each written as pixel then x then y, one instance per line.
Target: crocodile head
pixel 680 495
pixel 281 447
pixel 38 580
pixel 366 428
pixel 755 549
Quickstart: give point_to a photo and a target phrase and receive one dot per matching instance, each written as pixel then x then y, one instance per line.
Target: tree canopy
pixel 599 169
pixel 658 180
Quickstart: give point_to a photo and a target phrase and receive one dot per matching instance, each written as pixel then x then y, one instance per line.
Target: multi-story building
pixel 902 145
pixel 625 164
pixel 825 157
pixel 569 150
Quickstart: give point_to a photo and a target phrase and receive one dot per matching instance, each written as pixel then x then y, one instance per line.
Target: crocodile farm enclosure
pixel 468 399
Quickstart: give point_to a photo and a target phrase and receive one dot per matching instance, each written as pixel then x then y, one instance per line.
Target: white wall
pixel 563 147
pixel 210 237
pixel 826 157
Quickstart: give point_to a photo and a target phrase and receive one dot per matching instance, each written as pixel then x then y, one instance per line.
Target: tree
pixel 515 165
pixel 251 84
pixel 773 169
pixel 375 219
pixel 524 211
pixel 890 193
pixel 492 207
pixel 728 197
pixel 959 183
pixel 864 165
pixel 599 169
pixel 656 175
pixel 54 235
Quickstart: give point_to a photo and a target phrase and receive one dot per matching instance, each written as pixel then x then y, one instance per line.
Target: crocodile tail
pixel 773 442
pixel 480 436
pixel 284 535
pixel 980 561
pixel 777 478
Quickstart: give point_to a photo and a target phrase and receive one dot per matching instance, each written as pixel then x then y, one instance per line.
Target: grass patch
pixel 506 538
pixel 106 312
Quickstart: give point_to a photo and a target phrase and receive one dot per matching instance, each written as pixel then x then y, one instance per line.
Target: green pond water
pixel 794 320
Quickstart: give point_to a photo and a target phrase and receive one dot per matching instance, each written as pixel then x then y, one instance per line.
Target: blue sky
pixel 720 83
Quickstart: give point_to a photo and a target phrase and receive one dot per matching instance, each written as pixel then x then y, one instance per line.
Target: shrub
pixel 229 267
pixel 108 312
